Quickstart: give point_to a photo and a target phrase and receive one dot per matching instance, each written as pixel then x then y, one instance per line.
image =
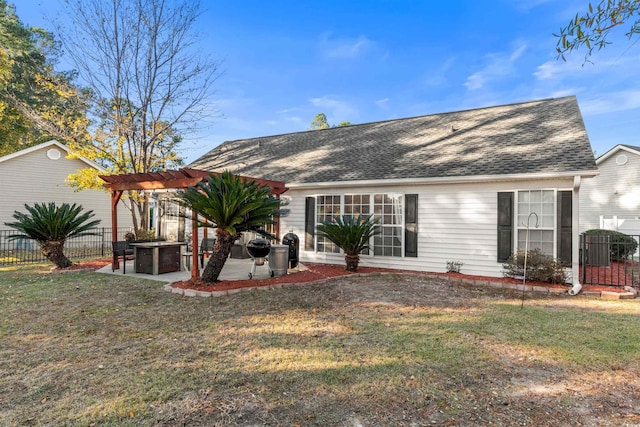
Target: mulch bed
pixel 617 274
pixel 316 272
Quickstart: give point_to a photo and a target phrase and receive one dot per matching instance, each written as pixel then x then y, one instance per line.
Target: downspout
pixel 575 237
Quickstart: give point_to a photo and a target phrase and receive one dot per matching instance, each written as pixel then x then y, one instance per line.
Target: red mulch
pixel 314 272
pixel 618 273
pixel 323 271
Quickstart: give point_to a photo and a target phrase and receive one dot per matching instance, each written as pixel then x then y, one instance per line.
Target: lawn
pixel 92 349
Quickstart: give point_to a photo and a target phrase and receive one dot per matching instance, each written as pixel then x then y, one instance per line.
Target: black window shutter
pixel 309 223
pixel 411 225
pixel 505 226
pixel 565 222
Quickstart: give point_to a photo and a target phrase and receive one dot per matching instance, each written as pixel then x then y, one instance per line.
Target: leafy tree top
pixel 232 203
pixel 592 28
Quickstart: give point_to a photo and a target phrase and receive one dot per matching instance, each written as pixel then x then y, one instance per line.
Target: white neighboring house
pixel 38 174
pixel 457 186
pixel 611 201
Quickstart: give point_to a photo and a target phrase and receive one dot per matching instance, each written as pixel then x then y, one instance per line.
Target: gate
pixel 609 259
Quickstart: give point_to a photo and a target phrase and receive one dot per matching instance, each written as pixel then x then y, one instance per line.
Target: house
pixel 38 174
pixel 457 186
pixel 612 200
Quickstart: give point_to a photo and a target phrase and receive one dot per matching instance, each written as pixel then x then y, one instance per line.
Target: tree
pixel 352 234
pixel 149 84
pixel 321 122
pixel 51 226
pixel 231 205
pixel 36 102
pixel 592 28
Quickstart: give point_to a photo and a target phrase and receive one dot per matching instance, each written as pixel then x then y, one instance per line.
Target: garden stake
pixel 526 251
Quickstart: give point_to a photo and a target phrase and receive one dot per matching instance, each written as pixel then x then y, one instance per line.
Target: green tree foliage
pixel 592 28
pixel 321 122
pixel 231 205
pixel 149 84
pixel 51 226
pixel 352 234
pixel 36 102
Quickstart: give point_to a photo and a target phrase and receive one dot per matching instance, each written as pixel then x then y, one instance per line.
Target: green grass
pixel 92 349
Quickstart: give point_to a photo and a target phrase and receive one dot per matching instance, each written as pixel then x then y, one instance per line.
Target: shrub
pixel 146 234
pixel 351 234
pixel 621 246
pixel 540 267
pixel 454 266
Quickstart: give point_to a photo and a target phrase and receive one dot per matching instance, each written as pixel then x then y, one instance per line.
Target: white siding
pixel 33 177
pixel 456 222
pixel 615 192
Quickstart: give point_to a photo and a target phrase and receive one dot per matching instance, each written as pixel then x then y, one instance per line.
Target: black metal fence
pixel 609 260
pixel 24 251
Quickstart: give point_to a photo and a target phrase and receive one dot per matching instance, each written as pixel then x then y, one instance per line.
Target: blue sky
pixel 364 61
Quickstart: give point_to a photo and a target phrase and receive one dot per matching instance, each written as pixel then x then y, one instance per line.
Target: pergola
pixel 170 179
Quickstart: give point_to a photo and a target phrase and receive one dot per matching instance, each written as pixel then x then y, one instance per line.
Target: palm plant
pixel 51 226
pixel 351 234
pixel 231 205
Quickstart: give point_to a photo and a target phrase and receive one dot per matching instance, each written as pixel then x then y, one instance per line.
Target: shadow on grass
pixel 87 348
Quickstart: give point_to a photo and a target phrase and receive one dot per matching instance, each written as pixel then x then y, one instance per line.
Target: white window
pixel 327 207
pixel 388 209
pixel 537 207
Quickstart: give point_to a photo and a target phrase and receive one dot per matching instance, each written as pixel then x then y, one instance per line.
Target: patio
pixel 234 269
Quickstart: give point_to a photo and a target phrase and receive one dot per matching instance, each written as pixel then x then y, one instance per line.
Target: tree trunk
pixel 221 250
pixel 53 250
pixel 352 262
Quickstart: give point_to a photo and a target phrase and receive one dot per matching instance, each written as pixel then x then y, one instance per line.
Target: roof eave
pixel 444 180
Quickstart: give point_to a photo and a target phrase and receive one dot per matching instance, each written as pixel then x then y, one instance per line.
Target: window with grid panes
pixel 356 205
pixel 542 203
pixel 389 210
pixel 327 207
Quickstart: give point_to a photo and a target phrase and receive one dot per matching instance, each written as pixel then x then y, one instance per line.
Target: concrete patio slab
pixel 234 269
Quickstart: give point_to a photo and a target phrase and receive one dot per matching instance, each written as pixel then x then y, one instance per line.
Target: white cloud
pixel 554 69
pixel 382 103
pixel 440 75
pixel 293 119
pixel 527 5
pixel 499 65
pixel 344 48
pixel 611 102
pixel 335 109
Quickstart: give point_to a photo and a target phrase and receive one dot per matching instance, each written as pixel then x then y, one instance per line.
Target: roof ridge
pixel 400 119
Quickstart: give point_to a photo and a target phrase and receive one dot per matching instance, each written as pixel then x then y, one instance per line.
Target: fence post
pixel 102 242
pixel 583 256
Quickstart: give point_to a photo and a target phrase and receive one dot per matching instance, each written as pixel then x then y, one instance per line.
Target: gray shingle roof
pixel 545 136
pixel 633 147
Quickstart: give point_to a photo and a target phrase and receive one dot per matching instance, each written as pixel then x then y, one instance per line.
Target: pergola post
pixel 115 198
pixel 195 268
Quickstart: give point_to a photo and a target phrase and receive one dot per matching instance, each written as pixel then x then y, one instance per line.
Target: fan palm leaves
pixel 231 205
pixel 51 225
pixel 352 234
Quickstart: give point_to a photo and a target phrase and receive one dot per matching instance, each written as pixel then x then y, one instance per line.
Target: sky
pixel 284 62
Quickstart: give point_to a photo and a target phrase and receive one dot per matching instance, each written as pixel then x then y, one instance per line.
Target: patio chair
pixel 206 246
pixel 121 249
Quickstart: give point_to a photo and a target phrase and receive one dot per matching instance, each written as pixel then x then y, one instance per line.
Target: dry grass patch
pixel 92 349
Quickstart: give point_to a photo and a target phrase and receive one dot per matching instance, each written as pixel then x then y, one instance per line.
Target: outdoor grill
pixel 258 249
